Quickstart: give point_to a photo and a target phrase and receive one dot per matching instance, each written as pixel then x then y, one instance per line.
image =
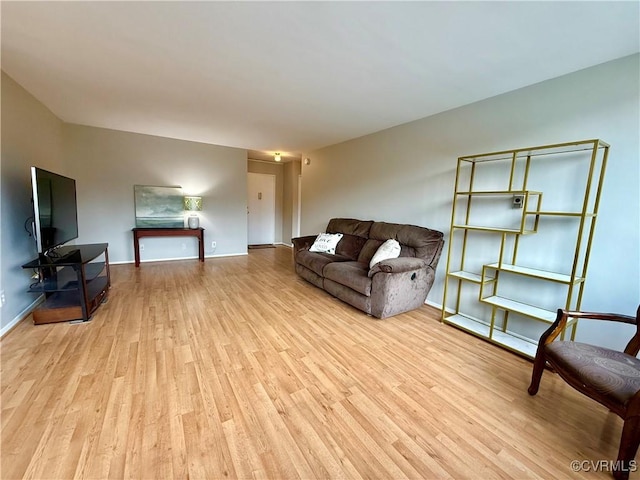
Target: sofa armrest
pixel 398 265
pixel 303 243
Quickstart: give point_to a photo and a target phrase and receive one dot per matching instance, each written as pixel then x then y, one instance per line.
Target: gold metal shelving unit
pixel 522 226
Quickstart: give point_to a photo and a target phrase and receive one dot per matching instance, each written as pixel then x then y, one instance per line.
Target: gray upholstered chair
pixel 607 376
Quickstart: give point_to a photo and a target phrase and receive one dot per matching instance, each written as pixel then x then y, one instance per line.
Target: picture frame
pixel 158 206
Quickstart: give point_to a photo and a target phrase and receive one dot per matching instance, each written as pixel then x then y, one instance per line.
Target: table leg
pixel 136 248
pixel 201 246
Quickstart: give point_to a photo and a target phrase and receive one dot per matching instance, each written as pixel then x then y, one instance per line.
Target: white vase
pixel 194 221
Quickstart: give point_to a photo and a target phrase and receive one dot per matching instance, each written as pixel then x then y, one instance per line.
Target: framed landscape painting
pixel 158 207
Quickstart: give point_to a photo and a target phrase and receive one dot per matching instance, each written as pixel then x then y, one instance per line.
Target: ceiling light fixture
pixel 276 157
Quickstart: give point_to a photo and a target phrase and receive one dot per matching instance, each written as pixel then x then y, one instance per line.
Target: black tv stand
pixel 60 254
pixel 74 283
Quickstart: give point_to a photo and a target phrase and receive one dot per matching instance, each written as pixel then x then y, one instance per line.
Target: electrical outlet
pixel 518 200
pixel 142 246
pixel 213 244
pixel 3 299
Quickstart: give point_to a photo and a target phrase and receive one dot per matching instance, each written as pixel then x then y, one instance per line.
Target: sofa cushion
pixel 389 249
pixel 350 246
pixel 350 274
pixel 359 228
pixel 353 298
pixel 316 261
pixel 310 276
pixel 369 249
pixel 326 242
pixel 415 241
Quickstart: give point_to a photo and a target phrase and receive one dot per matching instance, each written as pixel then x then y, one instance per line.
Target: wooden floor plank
pixel 237 368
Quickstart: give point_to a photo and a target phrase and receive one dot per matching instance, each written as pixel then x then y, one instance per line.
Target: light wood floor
pixel 236 368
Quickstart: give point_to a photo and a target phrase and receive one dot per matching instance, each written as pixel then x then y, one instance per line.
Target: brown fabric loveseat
pixel 391 286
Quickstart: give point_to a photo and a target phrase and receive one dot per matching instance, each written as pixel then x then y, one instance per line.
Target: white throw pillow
pixel 326 243
pixel 389 249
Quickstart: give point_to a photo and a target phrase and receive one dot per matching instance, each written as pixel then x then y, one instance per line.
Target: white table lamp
pixel 193 204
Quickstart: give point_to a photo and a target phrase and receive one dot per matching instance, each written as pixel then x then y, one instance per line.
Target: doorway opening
pixel 261 210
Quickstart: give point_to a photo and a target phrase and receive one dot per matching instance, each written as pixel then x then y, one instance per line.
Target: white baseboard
pixel 226 255
pixel 433 304
pixel 124 262
pixel 21 316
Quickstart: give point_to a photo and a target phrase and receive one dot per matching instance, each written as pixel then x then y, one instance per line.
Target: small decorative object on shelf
pixel 193 221
pixel 522 227
pixel 193 204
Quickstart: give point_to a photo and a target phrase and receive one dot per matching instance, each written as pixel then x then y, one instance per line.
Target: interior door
pixel 261 213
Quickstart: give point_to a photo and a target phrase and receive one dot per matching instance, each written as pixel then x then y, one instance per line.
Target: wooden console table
pixel 138 233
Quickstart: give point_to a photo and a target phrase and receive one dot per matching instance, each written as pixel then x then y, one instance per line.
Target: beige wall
pixel 108 163
pixel 406 174
pixel 31 135
pixel 292 171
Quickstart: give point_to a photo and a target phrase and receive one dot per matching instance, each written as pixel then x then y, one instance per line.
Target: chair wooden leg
pixel 538 369
pixel 628 448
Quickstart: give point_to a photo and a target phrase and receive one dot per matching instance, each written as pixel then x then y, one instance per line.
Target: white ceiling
pixel 294 76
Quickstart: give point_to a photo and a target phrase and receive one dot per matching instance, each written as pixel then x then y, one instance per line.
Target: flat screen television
pixel 55 209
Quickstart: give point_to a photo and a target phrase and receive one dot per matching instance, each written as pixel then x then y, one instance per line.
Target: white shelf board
pixel 497 192
pixel 558 214
pixel 468 324
pixel 493 229
pixel 533 272
pixel 468 276
pixel 479 328
pixel 522 308
pixel 512 342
